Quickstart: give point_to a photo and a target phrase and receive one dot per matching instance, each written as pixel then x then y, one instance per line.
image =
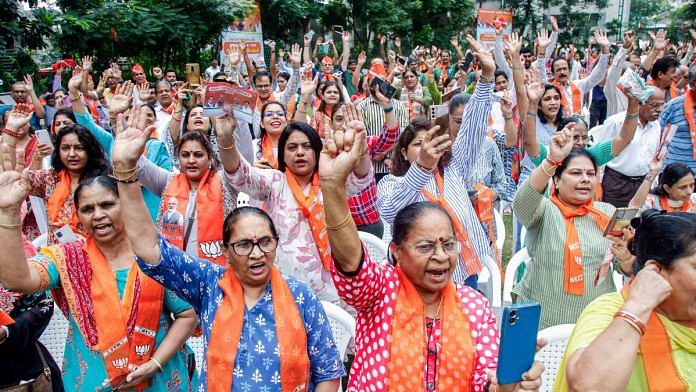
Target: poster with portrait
pixel 247 30
pixel 486 22
pixel 220 97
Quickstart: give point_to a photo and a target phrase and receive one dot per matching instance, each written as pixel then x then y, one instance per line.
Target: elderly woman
pixel 416 329
pixel 262 330
pixel 563 279
pixel 642 339
pixel 432 166
pixel 121 329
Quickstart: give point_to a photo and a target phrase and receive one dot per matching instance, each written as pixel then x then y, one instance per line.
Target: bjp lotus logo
pixel 142 349
pixel 120 363
pixel 211 249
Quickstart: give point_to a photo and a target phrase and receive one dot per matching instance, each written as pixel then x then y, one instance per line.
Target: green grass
pixel 507 247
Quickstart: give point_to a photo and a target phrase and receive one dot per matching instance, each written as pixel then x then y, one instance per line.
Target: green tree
pixel 642 11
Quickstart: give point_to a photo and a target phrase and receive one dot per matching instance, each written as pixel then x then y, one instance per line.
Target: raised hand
pixel 243 46
pixel 659 40
pixel 157 73
pixel 144 92
pixel 224 129
pixel 235 55
pixel 76 81
pixel 131 138
pixel 561 143
pixel 484 57
pixel 14 180
pixel 506 103
pixel 342 153
pixel 391 55
pixel 19 117
pixel 381 99
pixel 433 147
pixel 535 89
pixel 296 56
pixel 42 151
pixel 543 40
pixel 308 86
pixel 307 40
pixel 454 40
pixel 87 63
pixel 514 45
pixel 116 71
pixel 397 42
pixel 602 40
pixel 28 83
pixel 345 37
pixel 362 58
pixel 382 39
pixel 122 99
pixel 271 45
pixel 554 23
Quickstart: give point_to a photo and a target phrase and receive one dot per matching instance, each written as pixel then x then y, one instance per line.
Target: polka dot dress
pixel 372 292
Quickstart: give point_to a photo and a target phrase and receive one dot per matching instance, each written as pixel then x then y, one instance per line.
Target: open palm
pixel 14 181
pixel 131 138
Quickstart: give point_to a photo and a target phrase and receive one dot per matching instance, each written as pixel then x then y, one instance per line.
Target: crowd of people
pixel 127 217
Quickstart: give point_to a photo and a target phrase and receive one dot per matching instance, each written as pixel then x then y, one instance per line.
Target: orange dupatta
pixel 689 117
pixel 267 151
pixel 484 211
pixel 313 209
pixel 59 197
pixel 209 213
pixel 664 204
pixel 227 329
pixel 5 318
pixel 576 96
pixel 471 260
pixel 408 342
pixel 573 270
pixel 141 304
pixel 660 371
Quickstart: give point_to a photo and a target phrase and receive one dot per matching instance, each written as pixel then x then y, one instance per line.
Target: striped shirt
pixel 373 116
pixel 543 278
pixel 396 193
pixel 682 147
pixel 488 169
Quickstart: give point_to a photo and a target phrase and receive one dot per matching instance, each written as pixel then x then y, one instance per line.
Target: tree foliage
pixel 642 11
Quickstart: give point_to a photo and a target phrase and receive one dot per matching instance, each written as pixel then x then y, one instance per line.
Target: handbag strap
pixel 46 369
pixel 191 219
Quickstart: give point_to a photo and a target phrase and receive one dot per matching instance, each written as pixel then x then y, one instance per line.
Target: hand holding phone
pixel 518 340
pixel 619 221
pixel 385 88
pixel 44 137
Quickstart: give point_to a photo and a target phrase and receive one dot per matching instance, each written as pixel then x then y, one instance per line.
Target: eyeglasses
pixel 263 86
pixel 655 105
pixel 428 248
pixel 246 247
pixel 270 114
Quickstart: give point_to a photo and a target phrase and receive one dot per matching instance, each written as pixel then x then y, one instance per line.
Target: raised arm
pixel 346 51
pixel 600 69
pixel 534 93
pixel 513 46
pixel 543 43
pixel 638 200
pixel 659 43
pixel 307 89
pixel 38 106
pixel 559 147
pixel 628 128
pixel 15 273
pixel 178 113
pixel 338 159
pixel 510 128
pixel 251 70
pixel 362 58
pixel 293 83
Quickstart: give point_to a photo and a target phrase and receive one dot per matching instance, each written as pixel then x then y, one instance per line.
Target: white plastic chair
pixel 375 247
pixel 342 328
pixel 196 344
pixel 552 354
pixel 242 200
pixel 511 271
pixel 489 283
pixel 55 335
pixel 499 231
pixel 523 237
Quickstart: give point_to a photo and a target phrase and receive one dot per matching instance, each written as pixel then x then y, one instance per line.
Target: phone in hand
pixel 517 341
pixel 620 220
pixel 384 87
pixel 401 60
pixel 193 75
pixel 338 29
pixel 65 235
pixel 44 137
pixel 468 59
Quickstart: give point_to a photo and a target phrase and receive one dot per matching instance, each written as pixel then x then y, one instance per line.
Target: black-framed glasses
pixel 246 247
pixel 450 247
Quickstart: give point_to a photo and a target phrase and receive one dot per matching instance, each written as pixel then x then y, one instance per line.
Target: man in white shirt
pixel 625 173
pixel 573 92
pixel 213 70
pixel 164 107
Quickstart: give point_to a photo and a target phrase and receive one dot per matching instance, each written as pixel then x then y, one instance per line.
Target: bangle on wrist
pixel 159 365
pixel 507 117
pixel 553 163
pixel 423 169
pixel 10 226
pixel 343 223
pixel 530 114
pixel 632 116
pixel 632 320
pixel 486 79
pixel 649 178
pixel 553 169
pixel 11 132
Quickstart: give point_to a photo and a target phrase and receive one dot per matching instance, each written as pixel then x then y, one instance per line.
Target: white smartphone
pixel 65 235
pixel 44 137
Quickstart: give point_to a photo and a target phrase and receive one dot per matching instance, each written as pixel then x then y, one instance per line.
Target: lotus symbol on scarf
pixel 211 249
pixel 120 363
pixel 142 349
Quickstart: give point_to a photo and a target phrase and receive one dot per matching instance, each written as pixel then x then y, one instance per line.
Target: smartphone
pixel 44 137
pixel 65 235
pixel 309 34
pixel 518 338
pixel 337 29
pixel 448 95
pixel 467 62
pixel 193 75
pixel 384 87
pixel 620 220
pixel 401 60
pixel 439 115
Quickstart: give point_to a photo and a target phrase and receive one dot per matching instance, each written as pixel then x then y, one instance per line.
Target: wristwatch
pixel 486 79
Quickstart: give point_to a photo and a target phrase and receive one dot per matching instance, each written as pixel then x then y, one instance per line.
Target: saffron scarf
pixel 122 330
pixel 415 109
pixel 209 213
pixel 576 96
pixel 5 318
pixel 259 103
pixel 573 271
pixel 321 122
pixel 227 329
pixel 660 370
pixel 267 151
pixel 484 211
pixel 689 117
pixel 471 260
pixel 312 208
pixel 57 201
pixel 664 204
pixel 408 343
